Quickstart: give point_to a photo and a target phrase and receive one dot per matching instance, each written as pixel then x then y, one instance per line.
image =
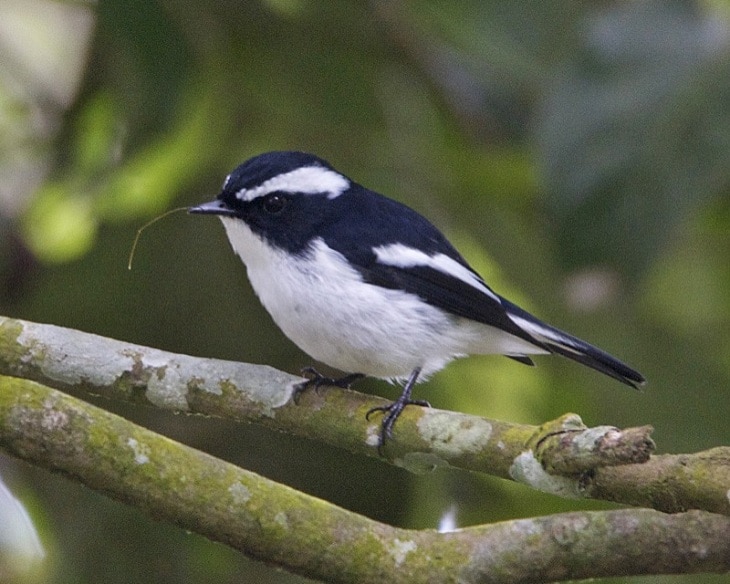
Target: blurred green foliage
pixel 584 148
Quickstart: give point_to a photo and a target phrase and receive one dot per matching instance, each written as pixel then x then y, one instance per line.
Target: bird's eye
pixel 274 204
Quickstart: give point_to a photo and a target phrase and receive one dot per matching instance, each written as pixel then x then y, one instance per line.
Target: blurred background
pixel 578 154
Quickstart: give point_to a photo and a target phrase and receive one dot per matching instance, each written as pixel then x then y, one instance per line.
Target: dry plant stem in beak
pixel 145 226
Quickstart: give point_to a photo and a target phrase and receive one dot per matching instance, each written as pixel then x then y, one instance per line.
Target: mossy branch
pixel 562 456
pixel 308 536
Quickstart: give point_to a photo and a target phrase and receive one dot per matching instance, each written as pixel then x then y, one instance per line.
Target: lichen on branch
pixel 562 456
pixel 308 536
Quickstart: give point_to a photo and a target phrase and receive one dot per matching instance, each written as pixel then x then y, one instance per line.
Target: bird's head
pixel 281 197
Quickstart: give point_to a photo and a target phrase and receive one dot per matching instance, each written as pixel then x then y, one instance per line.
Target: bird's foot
pixel 391 413
pixel 317 380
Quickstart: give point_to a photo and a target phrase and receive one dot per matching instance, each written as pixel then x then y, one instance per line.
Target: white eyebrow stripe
pixel 225 182
pixel 309 180
pixel 402 256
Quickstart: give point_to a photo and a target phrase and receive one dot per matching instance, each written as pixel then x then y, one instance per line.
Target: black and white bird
pixel 369 286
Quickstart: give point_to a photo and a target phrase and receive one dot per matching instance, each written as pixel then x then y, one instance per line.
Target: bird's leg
pixel 393 411
pixel 317 380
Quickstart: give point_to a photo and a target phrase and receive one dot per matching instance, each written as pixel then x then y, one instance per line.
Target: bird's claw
pixel 317 380
pixel 391 413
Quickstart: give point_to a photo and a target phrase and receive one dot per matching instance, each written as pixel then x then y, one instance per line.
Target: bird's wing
pixel 441 280
pixel 394 247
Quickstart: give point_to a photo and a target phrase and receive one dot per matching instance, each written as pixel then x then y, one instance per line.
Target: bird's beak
pixel 216 207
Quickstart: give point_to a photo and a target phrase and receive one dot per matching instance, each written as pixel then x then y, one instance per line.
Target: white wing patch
pixel 309 180
pixel 544 334
pixel 402 256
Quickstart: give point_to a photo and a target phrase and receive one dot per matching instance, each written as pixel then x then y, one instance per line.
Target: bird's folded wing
pixel 447 292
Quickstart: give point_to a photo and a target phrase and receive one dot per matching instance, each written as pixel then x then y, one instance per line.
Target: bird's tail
pixel 557 341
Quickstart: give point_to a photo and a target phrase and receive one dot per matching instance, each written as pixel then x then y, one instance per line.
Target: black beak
pixel 216 207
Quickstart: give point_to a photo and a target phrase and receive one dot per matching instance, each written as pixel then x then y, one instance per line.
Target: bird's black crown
pixel 257 170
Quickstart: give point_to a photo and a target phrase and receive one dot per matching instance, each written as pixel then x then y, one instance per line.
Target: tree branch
pixel 308 536
pixel 561 457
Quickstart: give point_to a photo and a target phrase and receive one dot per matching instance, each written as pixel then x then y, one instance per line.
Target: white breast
pixel 325 308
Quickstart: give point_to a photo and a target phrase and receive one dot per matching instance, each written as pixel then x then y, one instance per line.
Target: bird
pixel 369 286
